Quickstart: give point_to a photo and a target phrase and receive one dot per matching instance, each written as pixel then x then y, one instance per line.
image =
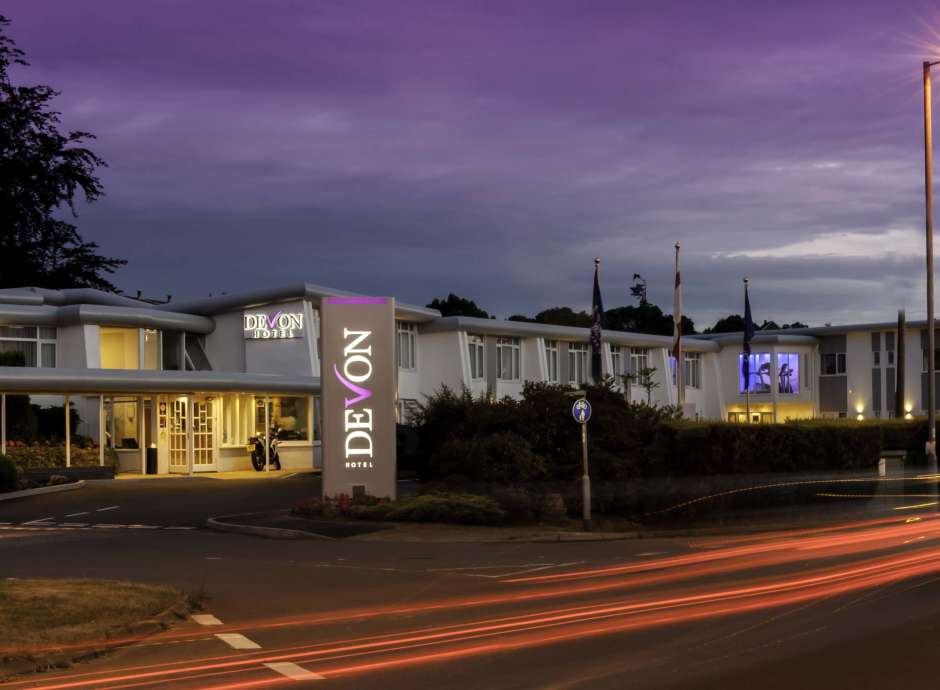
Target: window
pixel 407 345
pixel 237 425
pixel 31 346
pixel 508 356
pixel 788 373
pixel 616 361
pixel 579 368
pixel 890 358
pixel 833 363
pixel 407 409
pixel 290 416
pixel 639 362
pixel 876 358
pixel 476 350
pixel 119 347
pixel 172 350
pixel 551 360
pixel 693 369
pixel 759 373
pixel 122 425
pixel 151 349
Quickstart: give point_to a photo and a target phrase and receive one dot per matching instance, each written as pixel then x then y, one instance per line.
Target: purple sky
pixel 493 149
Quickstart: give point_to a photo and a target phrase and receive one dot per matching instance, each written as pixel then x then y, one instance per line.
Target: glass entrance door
pixel 203 436
pixel 177 436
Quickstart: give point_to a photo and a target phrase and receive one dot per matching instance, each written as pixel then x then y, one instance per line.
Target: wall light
pixel 860 417
pixel 860 407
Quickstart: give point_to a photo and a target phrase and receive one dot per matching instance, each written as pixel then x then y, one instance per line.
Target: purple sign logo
pixel 357 420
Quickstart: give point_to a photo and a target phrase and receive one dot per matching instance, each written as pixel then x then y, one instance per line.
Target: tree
pixel 42 171
pixel 733 323
pixel 795 324
pixel 644 379
pixel 645 318
pixel 564 316
pixel 458 306
pixel 769 326
pixel 521 317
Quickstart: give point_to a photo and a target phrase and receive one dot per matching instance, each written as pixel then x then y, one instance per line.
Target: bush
pixel 56 479
pixel 9 474
pixel 36 456
pixel 500 457
pixel 462 509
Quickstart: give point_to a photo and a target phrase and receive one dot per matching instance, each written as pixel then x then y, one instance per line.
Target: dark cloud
pixel 492 149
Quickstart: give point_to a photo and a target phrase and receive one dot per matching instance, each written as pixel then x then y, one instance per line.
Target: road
pixel 853 605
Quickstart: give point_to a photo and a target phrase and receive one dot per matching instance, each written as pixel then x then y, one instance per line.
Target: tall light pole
pixel 928 203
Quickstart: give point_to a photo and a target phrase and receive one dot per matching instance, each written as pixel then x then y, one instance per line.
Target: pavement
pixel 843 605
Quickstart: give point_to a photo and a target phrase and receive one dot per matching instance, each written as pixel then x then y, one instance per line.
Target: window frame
pixel 476 342
pixel 579 363
pixel 409 330
pixel 552 373
pixel 38 341
pixel 514 346
pixel 840 360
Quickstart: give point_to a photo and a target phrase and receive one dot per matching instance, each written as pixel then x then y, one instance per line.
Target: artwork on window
pixel 788 373
pixel 760 375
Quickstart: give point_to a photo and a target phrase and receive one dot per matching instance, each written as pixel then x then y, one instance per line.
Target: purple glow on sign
pixel 356 300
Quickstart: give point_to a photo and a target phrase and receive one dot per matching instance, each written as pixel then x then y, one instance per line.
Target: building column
pixel 774 381
pixel 101 430
pixel 141 435
pixel 190 436
pixel 3 424
pixel 68 434
pixel 267 434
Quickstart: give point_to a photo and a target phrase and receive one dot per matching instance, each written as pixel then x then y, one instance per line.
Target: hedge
pixel 32 457
pixel 535 439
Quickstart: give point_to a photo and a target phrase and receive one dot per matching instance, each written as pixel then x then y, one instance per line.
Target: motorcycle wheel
pixel 257 461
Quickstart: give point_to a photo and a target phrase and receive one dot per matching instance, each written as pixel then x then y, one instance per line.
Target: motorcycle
pixel 257 452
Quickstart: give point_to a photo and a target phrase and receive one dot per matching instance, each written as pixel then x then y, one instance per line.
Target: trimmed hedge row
pixel 535 439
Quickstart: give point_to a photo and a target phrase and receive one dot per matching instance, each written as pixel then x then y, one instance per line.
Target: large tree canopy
pixel 457 306
pixel 42 171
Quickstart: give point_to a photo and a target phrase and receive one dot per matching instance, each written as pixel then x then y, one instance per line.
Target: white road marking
pixel 652 553
pixel 41 521
pixel 101 510
pixel 73 524
pixel 84 512
pixel 144 526
pixel 237 641
pixel 206 619
pixel 293 671
pixel 107 525
pixel 178 527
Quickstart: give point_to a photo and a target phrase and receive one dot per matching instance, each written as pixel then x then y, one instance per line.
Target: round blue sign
pixel 581 411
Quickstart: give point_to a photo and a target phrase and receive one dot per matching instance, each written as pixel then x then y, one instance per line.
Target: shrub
pixel 56 479
pixel 463 509
pixel 499 457
pixel 9 474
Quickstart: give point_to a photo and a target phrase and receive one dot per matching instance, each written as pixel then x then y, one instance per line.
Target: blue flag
pixel 748 336
pixel 597 321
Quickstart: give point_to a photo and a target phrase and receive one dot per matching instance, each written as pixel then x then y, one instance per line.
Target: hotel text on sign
pixel 273 325
pixel 357 376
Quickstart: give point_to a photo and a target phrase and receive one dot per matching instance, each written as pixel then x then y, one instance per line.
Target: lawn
pixel 47 612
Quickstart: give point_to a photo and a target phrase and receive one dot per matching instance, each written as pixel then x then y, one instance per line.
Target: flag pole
pixel 677 338
pixel 747 383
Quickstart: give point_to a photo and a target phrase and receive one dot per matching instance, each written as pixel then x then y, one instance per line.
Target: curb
pixel 221 524
pixel 25 493
pixel 12 667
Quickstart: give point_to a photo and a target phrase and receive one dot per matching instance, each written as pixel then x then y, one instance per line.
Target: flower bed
pixel 36 456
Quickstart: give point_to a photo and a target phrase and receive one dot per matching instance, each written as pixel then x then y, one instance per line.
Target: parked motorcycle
pixel 257 452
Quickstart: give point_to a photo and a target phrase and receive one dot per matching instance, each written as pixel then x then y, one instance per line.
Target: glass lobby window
pixel 407 345
pixel 508 359
pixel 833 363
pixel 551 360
pixel 122 423
pixel 475 347
pixel 172 350
pixel 760 377
pixel 578 364
pixel 237 419
pixel 616 360
pixel 151 349
pixel 289 415
pixel 120 348
pixel 788 372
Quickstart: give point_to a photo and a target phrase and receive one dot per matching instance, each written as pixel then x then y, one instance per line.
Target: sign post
pixel 581 411
pixel 358 381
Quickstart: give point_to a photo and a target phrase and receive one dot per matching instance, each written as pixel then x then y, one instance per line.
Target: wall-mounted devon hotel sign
pixel 357 382
pixel 273 324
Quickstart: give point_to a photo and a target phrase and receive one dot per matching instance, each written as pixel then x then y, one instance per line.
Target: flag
pixel 748 336
pixel 597 321
pixel 677 337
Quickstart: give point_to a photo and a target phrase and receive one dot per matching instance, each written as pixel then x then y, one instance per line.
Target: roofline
pixel 527 328
pixel 102 381
pixel 77 314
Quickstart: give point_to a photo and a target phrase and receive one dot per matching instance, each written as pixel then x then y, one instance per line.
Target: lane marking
pixel 144 526
pixel 237 641
pixel 108 525
pixel 41 521
pixel 652 553
pixel 73 524
pixel 916 505
pixel 84 512
pixel 293 671
pixel 178 527
pixel 101 510
pixel 206 619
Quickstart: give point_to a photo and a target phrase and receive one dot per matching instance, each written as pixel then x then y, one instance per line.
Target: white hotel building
pixel 195 380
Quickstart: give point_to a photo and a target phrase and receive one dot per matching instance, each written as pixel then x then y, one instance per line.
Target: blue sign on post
pixel 581 411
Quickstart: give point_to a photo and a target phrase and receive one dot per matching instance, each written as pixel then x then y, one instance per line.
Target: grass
pixel 41 612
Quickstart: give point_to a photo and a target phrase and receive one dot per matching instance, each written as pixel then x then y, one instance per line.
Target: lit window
pixel 120 348
pixel 759 375
pixel 476 352
pixel 578 363
pixel 788 373
pixel 551 360
pixel 508 359
pixel 289 417
pixel 407 345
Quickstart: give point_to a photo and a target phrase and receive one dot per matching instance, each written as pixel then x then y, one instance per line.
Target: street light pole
pixel 928 203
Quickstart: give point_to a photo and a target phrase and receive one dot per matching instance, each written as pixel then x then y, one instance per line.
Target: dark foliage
pixel 457 306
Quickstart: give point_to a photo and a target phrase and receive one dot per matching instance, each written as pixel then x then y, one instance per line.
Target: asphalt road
pixel 854 606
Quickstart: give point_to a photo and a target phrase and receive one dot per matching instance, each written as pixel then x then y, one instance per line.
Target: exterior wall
pixel 225 346
pixel 288 356
pixel 72 347
pixel 439 363
pixel 859 391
